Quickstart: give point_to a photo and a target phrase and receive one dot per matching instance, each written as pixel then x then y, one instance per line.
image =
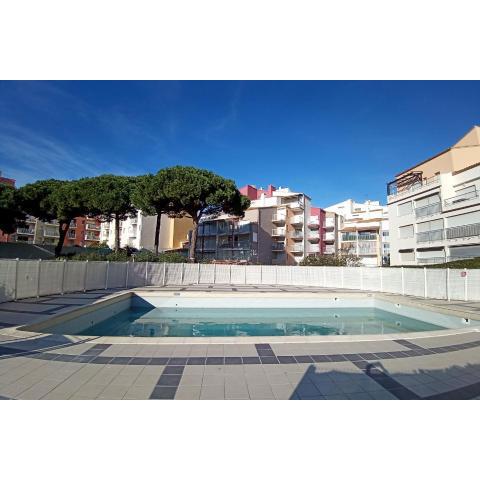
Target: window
pixel 423 202
pixel 406 231
pixel 430 226
pixel 405 208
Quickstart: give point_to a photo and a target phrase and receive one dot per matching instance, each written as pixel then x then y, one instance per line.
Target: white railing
pixel 31 278
pixel 278 232
pixel 416 187
pixel 296 220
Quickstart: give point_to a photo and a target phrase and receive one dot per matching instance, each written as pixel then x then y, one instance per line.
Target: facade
pixel 361 229
pixel 279 228
pixel 139 232
pixel 83 232
pixel 434 206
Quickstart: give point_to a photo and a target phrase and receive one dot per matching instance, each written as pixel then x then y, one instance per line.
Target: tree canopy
pixel 11 215
pixel 109 197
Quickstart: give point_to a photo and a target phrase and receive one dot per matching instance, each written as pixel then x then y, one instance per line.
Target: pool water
pixel 232 322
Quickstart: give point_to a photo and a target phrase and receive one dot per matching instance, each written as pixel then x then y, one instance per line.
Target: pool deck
pixel 436 365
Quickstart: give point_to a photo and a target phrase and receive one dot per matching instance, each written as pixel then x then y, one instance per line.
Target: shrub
pixel 346 260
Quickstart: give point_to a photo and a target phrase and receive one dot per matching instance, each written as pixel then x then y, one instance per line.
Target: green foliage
pixel 109 197
pixel 118 256
pixel 11 213
pixel 37 200
pixel 90 256
pixel 168 257
pixel 331 261
pixel 467 263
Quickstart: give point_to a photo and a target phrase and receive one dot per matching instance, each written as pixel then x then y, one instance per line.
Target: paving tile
pixel 212 392
pixel 190 392
pixel 191 380
pixel 213 380
pixel 260 392
pixel 163 393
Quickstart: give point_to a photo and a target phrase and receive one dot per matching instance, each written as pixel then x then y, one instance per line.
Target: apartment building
pixel 279 228
pixel 139 232
pixel 82 232
pixel 434 206
pixel 361 229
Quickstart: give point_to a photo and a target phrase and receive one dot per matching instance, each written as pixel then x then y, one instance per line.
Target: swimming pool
pixel 176 315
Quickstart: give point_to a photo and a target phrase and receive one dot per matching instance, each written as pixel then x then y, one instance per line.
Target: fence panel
pixel 190 273
pixel 51 276
pixel 473 285
pixel 173 274
pixel 436 283
pixel 333 277
pixel 117 274
pixel 352 277
pixel 96 275
pixel 222 274
pixel 315 275
pixel 155 273
pixel 269 275
pixel 284 275
pixel 254 274
pixel 207 273
pixel 456 284
pixel 414 279
pixel 371 279
pixel 238 273
pixel 392 280
pixel 136 274
pixel 74 277
pixel 7 280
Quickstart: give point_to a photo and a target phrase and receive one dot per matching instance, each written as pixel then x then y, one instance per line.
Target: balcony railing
pixel 92 226
pixel 426 182
pixel 297 220
pixel 460 198
pixel 329 251
pixel 278 247
pixel 296 235
pixel 278 232
pixel 26 231
pixel 430 260
pixel 278 218
pixel 50 233
pixel 329 223
pixel 431 236
pixel 296 248
pixel 295 205
pixel 314 236
pixel 471 230
pixel 314 249
pixel 314 222
pixel 234 245
pixel 329 237
pixel 428 210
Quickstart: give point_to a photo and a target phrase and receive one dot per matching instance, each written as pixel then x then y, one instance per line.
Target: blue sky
pixel 332 140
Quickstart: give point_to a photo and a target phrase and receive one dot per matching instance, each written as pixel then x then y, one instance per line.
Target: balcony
pixel 296 235
pixel 472 230
pixel 448 202
pixel 314 236
pixel 235 245
pixel 313 223
pixel 329 250
pixel 71 235
pixel 430 260
pixel 92 237
pixel 295 248
pixel 314 249
pixel 51 234
pixel 329 223
pixel 25 231
pixel 431 236
pixel 92 226
pixel 278 232
pixel 73 224
pixel 297 220
pixel 51 222
pixel 367 248
pixel 416 187
pixel 296 206
pixel 278 247
pixel 428 210
pixel 278 218
pixel 329 236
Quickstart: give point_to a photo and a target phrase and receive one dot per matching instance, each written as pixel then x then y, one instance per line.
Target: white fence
pixel 32 278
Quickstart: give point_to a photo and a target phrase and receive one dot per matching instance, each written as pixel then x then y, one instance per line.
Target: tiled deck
pixel 42 366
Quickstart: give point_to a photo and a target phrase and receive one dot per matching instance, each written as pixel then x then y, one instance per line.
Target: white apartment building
pixel 361 229
pixel 434 207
